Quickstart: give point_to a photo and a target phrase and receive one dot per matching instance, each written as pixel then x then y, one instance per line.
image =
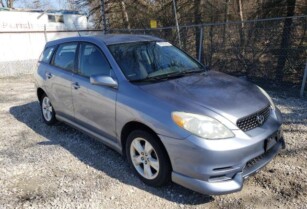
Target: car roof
pixel 108 39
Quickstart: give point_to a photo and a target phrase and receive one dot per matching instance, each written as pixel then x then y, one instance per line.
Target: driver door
pixel 94 106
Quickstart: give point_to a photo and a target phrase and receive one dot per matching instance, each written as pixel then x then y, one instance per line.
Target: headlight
pixel 268 97
pixel 201 125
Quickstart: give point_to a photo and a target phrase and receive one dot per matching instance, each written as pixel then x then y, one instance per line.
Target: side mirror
pixel 102 80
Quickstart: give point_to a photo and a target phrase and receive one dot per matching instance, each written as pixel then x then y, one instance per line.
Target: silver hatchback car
pixel 172 118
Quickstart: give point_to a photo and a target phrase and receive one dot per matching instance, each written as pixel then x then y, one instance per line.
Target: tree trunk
pixel 198 20
pixel 177 23
pixel 225 20
pixel 241 48
pixel 211 38
pixel 242 23
pixel 125 15
pixel 37 4
pixel 10 3
pixel 285 41
pixel 103 20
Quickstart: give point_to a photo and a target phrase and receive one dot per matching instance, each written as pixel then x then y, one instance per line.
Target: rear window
pixel 47 54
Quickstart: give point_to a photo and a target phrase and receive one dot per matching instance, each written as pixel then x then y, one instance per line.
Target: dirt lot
pixel 59 167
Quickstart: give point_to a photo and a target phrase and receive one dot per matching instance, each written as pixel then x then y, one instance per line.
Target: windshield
pixel 152 60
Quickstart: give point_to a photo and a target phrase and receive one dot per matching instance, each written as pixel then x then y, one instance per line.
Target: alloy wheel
pixel 47 109
pixel 144 158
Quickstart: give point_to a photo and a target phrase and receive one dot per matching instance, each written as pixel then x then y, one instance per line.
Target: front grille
pixel 253 121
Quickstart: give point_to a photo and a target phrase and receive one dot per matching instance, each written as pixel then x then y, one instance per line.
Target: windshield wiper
pixel 147 79
pixel 187 72
pixel 168 76
pixel 158 78
pixel 191 72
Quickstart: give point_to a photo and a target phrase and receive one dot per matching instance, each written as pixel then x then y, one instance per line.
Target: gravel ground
pixel 59 167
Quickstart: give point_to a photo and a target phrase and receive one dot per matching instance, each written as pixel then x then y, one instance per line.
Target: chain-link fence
pixel 269 52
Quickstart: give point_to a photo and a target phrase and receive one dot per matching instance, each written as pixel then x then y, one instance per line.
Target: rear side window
pixel 47 54
pixel 65 56
pixel 92 61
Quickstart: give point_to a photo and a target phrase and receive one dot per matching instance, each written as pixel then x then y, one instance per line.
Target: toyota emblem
pixel 260 119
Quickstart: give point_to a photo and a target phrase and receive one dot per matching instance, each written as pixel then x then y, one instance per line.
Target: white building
pixel 39 20
pixel 23 34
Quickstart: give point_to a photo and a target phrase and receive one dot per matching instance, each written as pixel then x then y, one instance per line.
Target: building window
pixel 56 18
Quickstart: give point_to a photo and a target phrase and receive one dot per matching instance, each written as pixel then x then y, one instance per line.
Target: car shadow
pixel 98 156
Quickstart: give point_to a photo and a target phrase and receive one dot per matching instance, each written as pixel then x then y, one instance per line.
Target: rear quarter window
pixel 47 54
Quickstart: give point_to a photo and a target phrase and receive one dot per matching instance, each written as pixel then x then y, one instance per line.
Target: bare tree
pixel 197 20
pixel 285 41
pixel 37 4
pixel 240 8
pixel 125 14
pixel 7 3
pixel 226 16
pixel 70 5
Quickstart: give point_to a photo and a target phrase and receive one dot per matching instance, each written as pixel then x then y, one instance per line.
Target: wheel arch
pixel 40 92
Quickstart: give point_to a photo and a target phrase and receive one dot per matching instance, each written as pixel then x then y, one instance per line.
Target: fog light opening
pixel 219 178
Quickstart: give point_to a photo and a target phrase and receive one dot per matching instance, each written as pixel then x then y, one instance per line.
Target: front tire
pixel 47 110
pixel 148 158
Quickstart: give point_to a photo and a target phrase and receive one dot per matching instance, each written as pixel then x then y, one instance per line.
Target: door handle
pixel 76 85
pixel 48 75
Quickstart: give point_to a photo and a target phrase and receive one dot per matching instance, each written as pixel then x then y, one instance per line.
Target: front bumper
pixel 216 167
pixel 227 186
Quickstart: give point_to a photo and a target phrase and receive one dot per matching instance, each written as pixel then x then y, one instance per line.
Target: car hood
pixel 228 96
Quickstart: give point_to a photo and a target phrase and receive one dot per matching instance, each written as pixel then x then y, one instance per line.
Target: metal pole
pixel 304 81
pixel 177 24
pixel 46 39
pixel 103 15
pixel 200 44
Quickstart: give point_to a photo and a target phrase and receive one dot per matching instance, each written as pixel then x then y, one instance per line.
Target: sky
pixel 45 4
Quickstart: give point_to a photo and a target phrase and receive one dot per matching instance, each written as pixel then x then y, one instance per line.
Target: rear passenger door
pixel 94 105
pixel 59 79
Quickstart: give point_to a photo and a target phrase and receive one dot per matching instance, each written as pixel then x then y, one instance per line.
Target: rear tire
pixel 47 110
pixel 148 158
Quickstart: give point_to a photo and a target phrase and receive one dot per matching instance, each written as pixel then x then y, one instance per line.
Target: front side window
pixel 65 56
pixel 152 60
pixel 92 61
pixel 47 54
